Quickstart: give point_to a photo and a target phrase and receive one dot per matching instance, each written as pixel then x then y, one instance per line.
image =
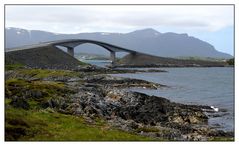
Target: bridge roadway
pixel 70 44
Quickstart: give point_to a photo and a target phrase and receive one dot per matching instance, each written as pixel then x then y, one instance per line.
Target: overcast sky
pixel 213 24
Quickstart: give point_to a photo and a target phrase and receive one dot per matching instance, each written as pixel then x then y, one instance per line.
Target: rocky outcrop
pixel 112 70
pixel 120 82
pixel 137 112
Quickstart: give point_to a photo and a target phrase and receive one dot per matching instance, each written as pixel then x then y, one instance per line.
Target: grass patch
pixel 221 139
pixel 47 88
pixel 81 63
pixel 13 66
pixel 7 101
pixel 51 126
pixel 35 93
pixel 230 61
pixel 44 73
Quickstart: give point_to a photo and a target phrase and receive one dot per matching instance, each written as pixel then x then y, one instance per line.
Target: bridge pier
pixel 112 57
pixel 70 51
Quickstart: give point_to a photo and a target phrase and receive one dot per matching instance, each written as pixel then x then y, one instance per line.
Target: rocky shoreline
pixel 146 115
pixel 90 93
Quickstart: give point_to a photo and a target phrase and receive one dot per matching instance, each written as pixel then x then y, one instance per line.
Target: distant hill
pixel 47 57
pixel 147 41
pixel 145 60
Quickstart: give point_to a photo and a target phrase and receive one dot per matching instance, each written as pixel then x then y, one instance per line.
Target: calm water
pixel 204 86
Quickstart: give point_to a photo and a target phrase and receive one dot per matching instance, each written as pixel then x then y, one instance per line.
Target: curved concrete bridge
pixel 71 44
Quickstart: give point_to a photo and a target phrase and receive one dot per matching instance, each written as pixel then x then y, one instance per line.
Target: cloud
pixel 72 18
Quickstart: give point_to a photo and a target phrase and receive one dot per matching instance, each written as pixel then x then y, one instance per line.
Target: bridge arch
pixel 71 44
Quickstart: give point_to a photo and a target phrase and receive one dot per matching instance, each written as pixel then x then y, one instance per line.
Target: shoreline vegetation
pixel 87 104
pixel 146 60
pixel 154 61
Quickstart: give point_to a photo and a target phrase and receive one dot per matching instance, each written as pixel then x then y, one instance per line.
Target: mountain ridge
pixel 147 40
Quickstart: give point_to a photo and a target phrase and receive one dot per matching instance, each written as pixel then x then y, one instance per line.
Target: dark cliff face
pixel 147 41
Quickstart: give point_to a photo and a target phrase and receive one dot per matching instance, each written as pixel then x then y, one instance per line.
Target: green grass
pixel 7 100
pixel 200 58
pixel 13 66
pixel 44 73
pixel 51 126
pixel 48 88
pixel 230 61
pixel 221 139
pixel 81 63
pixel 36 93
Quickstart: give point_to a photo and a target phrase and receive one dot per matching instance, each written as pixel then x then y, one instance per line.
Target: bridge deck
pixel 73 43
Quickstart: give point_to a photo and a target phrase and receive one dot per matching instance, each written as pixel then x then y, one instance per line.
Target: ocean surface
pixel 202 86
